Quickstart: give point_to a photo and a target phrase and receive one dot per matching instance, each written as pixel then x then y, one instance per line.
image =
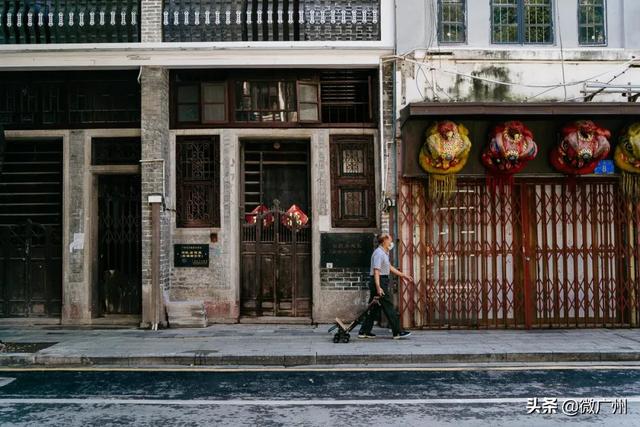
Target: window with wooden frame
pixel 353 195
pixel 214 102
pixel 346 96
pixel 309 101
pixel 198 181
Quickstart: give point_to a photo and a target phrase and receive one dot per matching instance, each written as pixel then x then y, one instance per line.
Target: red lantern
pixel 294 217
pixel 582 146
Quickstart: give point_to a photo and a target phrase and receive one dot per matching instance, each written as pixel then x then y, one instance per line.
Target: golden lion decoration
pixel 443 155
pixel 627 158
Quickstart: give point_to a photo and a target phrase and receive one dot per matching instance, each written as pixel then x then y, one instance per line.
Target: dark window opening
pixel 346 96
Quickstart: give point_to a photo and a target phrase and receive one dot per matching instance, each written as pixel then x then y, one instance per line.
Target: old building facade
pixel 193 157
pixel 553 241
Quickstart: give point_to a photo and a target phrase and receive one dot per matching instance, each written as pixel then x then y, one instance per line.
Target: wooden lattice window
pixel 198 181
pixel 346 96
pixel 352 182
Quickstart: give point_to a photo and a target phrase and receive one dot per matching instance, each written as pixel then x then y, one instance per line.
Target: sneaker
pixel 369 335
pixel 402 334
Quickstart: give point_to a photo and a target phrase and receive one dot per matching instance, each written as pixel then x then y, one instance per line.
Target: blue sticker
pixel 604 167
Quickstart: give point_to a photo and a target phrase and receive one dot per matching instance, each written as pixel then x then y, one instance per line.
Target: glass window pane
pixel 504 15
pixel 214 112
pixel 308 93
pixel 266 101
pixel 537 21
pixel 309 112
pixel 213 92
pixel 452 21
pixel 188 113
pixel 591 22
pixel 188 94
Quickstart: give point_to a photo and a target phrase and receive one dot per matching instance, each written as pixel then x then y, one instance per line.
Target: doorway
pixel 31 228
pixel 119 247
pixel 275 242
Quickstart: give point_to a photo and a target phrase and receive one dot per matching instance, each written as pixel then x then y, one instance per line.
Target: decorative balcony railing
pixel 69 21
pixel 270 20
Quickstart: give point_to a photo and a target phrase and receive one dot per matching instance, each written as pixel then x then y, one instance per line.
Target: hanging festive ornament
pixel 443 155
pixel 582 146
pixel 510 149
pixel 294 217
pixel 627 158
pixel 260 211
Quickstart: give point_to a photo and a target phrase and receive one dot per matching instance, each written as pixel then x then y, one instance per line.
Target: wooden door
pixel 276 250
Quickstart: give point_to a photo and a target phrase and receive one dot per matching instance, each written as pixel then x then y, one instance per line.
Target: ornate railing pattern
pixel 69 21
pixel 270 20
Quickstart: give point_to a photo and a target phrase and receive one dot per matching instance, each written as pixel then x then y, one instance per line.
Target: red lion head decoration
pixel 510 149
pixel 582 146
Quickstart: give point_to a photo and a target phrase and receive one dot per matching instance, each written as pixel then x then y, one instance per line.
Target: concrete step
pixel 186 314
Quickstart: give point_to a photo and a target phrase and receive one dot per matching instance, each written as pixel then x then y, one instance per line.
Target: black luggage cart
pixel 343 329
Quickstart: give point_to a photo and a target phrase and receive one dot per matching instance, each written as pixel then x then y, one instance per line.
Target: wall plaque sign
pixel 346 250
pixel 191 255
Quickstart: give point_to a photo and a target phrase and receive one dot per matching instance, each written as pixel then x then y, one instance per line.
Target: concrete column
pixel 154 173
pixel 76 293
pixel 151 21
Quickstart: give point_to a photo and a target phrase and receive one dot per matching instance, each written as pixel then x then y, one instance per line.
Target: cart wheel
pixel 336 338
pixel 345 338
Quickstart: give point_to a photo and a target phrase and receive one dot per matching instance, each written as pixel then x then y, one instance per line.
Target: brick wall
pixel 344 279
pixel 155 146
pixel 151 22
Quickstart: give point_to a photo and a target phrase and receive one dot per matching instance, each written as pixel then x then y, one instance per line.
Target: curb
pixel 52 361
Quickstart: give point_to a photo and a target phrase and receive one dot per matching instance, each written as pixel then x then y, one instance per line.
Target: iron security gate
pixel 544 253
pixel 119 248
pixel 276 266
pixel 30 229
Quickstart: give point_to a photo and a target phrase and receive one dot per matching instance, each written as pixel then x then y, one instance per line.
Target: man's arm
pixel 401 274
pixel 376 279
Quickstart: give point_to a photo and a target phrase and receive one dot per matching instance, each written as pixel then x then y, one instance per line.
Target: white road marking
pixel 5 381
pixel 311 402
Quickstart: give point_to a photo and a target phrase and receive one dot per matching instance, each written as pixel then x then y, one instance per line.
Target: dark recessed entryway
pixel 276 251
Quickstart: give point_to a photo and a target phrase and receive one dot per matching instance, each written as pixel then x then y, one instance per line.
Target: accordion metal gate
pixel 541 253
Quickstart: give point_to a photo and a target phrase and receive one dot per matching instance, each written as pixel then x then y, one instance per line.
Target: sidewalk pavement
pixel 297 345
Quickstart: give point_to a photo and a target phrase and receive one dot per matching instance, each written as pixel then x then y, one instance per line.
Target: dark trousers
pixel 386 305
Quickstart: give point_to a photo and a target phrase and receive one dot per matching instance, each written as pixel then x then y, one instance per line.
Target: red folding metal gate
pixel 542 253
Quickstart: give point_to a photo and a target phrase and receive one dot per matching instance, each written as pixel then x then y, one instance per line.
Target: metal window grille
pixel 198 181
pixel 591 22
pixel 346 96
pixel 452 21
pixel 522 21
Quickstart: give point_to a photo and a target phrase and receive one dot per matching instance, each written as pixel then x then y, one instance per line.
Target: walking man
pixel 379 286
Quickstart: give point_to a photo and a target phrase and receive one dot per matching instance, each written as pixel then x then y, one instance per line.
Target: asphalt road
pixel 327 397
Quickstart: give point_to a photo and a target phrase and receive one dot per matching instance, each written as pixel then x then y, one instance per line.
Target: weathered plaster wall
pixel 417 25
